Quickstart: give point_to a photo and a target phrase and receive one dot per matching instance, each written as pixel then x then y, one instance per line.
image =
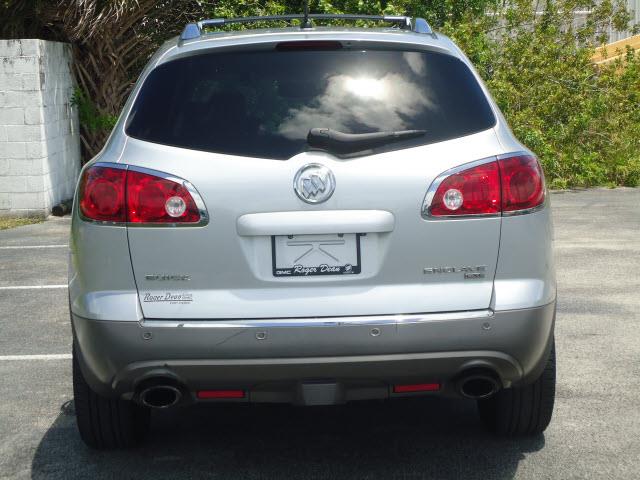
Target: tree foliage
pixel 111 41
pixel 582 120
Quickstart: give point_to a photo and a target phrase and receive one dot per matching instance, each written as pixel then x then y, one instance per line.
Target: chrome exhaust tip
pixel 160 396
pixel 478 385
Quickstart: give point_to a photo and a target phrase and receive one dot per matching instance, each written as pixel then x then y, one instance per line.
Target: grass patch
pixel 12 222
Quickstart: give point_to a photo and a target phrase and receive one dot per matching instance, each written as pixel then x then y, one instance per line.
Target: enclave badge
pixel 470 272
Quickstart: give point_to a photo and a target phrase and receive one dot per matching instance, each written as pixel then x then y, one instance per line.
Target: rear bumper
pixel 270 359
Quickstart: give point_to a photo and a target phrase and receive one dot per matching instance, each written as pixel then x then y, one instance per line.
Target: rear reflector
pixel 418 387
pixel 211 394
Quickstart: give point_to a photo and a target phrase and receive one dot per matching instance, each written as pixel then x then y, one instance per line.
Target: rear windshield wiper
pixel 344 143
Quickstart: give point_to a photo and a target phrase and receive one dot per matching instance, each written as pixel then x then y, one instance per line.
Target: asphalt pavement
pixel 595 432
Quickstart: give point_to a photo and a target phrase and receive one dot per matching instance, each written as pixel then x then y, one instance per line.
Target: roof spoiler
pixel 418 25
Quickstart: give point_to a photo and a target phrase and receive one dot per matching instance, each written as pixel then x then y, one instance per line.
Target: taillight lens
pixel 102 191
pixel 522 183
pixel 119 195
pixel 507 185
pixel 152 199
pixel 474 191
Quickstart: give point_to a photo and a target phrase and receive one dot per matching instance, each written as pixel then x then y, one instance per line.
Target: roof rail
pixel 418 25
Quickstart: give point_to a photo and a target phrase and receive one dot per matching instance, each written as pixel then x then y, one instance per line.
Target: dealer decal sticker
pixel 171 298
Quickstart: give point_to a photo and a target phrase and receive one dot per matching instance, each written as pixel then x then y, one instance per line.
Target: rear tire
pixel 106 423
pixel 522 411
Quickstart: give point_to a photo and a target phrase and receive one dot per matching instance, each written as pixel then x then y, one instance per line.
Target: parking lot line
pixel 52 356
pixel 19 247
pixel 32 287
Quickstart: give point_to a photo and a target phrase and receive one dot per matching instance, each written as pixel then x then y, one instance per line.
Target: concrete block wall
pixel 39 133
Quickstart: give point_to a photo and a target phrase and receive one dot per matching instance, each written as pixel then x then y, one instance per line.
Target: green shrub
pixel 89 115
pixel 583 121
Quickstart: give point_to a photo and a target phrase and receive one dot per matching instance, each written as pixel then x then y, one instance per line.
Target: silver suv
pixel 311 216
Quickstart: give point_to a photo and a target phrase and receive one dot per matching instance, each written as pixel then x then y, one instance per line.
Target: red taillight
pixel 418 387
pixel 214 394
pixel 471 192
pixel 152 199
pixel 119 195
pixel 522 183
pixel 507 185
pixel 102 192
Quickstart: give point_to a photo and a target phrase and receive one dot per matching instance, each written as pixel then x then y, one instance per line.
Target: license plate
pixel 309 255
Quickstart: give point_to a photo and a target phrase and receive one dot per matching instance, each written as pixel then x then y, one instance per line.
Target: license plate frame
pixel 316 270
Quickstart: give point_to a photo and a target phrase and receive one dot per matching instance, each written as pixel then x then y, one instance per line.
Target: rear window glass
pixel 263 104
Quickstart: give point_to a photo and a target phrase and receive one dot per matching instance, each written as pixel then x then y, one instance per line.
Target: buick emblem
pixel 314 183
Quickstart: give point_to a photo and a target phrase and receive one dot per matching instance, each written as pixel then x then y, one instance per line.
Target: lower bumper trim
pixel 380 351
pixel 320 321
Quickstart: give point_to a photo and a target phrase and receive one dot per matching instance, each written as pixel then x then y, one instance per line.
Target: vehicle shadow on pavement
pixel 415 438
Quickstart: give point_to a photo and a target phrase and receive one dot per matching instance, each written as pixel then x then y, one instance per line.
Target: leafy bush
pixel 88 113
pixel 582 120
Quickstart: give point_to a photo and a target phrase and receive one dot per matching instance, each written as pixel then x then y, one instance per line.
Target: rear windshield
pixel 263 104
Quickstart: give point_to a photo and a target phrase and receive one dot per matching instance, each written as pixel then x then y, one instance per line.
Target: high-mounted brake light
pixel 308 45
pixel 118 195
pixel 507 185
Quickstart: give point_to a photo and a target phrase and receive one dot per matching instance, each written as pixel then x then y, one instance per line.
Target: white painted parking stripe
pixel 33 287
pixel 53 356
pixel 20 247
